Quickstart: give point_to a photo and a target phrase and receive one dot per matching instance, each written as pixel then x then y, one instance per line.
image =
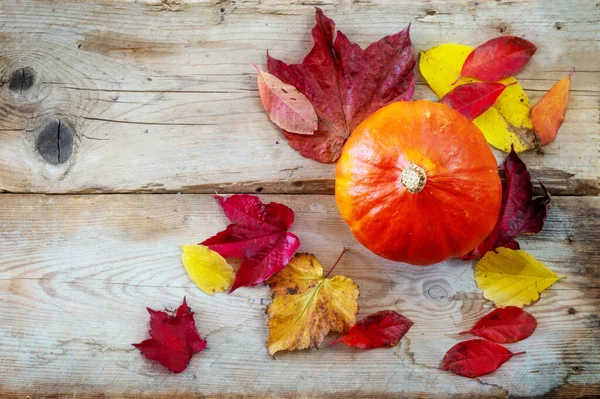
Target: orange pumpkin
pixel 417 183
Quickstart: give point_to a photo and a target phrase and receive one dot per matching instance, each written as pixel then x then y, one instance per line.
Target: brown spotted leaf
pixel 307 305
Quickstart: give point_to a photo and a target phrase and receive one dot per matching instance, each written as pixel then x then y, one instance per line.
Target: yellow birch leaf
pixel 306 305
pixel 209 270
pixel 512 277
pixel 506 122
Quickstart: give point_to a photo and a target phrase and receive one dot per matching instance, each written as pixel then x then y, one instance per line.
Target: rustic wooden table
pixel 159 99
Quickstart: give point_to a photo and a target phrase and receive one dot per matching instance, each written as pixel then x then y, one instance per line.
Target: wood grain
pixel 76 273
pixel 162 97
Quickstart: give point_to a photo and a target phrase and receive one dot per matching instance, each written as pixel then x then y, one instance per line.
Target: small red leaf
pixel 345 84
pixel 476 357
pixel 505 325
pixel 473 99
pixel 258 235
pixel 520 214
pixel 380 330
pixel 174 338
pixel 498 58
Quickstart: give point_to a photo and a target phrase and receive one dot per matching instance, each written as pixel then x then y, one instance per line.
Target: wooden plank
pixel 77 271
pixel 161 95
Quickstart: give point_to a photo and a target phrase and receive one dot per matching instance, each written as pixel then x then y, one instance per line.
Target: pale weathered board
pixel 76 273
pixel 162 96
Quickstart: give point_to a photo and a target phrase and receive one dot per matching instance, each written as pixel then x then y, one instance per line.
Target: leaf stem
pixel 336 263
pixel 572 70
pixel 519 353
pixel 465 332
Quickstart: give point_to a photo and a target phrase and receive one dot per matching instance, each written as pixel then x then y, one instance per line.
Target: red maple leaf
pixel 380 330
pixel 520 214
pixel 345 84
pixel 258 235
pixel 174 338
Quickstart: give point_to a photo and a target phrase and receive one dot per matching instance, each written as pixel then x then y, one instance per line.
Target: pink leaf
pixel 287 107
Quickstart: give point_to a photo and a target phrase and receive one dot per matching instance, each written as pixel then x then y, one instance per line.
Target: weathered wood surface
pixel 161 95
pixel 77 271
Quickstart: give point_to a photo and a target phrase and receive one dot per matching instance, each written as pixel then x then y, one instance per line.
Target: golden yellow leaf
pixel 512 277
pixel 506 122
pixel 306 305
pixel 209 270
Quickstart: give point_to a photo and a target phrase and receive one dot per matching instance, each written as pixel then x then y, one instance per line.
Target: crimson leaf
pixel 174 338
pixel 258 235
pixel 476 357
pixel 380 330
pixel 520 213
pixel 505 325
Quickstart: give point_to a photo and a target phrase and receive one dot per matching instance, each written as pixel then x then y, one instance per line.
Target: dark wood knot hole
pixel 55 142
pixel 22 79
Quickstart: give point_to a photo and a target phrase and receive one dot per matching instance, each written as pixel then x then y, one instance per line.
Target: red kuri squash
pixel 418 183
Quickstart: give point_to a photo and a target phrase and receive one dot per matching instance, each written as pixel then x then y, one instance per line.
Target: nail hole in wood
pixel 22 79
pixel 55 142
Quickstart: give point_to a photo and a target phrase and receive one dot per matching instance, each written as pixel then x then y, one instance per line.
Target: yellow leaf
pixel 506 122
pixel 512 277
pixel 306 305
pixel 209 270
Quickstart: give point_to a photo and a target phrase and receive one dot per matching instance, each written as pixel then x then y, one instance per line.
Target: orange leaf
pixel 549 113
pixel 287 107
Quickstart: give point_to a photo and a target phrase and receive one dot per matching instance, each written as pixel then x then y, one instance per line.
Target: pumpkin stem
pixel 413 178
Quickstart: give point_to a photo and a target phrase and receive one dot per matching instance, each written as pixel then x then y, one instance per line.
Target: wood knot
pixel 558 25
pixel 21 80
pixel 571 311
pixel 55 142
pixel 437 292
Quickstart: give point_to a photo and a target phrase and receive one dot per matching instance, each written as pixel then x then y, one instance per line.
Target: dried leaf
pixel 505 325
pixel 345 84
pixel 380 330
pixel 511 277
pixel 520 214
pixel 498 58
pixel 473 99
pixel 207 268
pixel 506 123
pixel 286 106
pixel 549 113
pixel 174 338
pixel 306 305
pixel 258 235
pixel 476 357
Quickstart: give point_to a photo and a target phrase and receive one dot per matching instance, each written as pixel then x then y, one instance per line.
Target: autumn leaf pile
pixel 317 104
